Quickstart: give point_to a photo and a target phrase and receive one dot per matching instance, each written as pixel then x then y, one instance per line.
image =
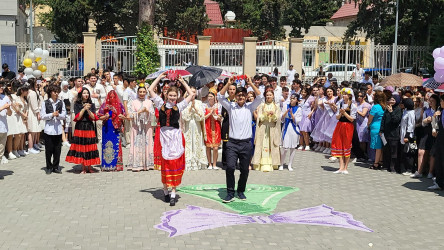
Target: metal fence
pixel 65 59
pixel 175 53
pixel 271 55
pixel 341 59
pixel 227 56
pixel 118 54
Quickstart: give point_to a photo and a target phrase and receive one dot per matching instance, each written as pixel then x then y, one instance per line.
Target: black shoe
pixel 48 171
pixel 173 202
pixel 229 198
pixel 57 171
pixel 167 198
pixel 241 196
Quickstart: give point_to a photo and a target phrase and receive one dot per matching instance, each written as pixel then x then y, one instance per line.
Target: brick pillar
pixel 296 53
pixel 203 50
pixel 89 51
pixel 249 60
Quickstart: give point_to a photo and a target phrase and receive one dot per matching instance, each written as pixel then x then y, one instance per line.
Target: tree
pixel 146 12
pixel 416 19
pixel 186 18
pixel 147 55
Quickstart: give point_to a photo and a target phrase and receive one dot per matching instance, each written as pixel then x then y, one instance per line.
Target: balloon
pixel 439 77
pixel 38 52
pixel 31 55
pixel 38 59
pixel 42 67
pixel 45 54
pixel 30 76
pixel 436 52
pixel 439 63
pixel 37 73
pixel 34 66
pixel 28 71
pixel 27 62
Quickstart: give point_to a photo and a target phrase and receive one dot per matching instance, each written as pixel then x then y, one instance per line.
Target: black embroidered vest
pixel 169 117
pixel 50 109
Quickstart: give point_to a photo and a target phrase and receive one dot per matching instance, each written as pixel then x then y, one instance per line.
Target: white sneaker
pixel 11 156
pixel 4 160
pixel 307 148
pixel 290 168
pixel 430 176
pixel 337 172
pixel 300 147
pixel 26 152
pixel 354 160
pixel 406 173
pixel 66 144
pixel 332 159
pixel 210 167
pixel 216 168
pixel 416 175
pixel 434 187
pixel 281 168
pixel 33 151
pixel 345 172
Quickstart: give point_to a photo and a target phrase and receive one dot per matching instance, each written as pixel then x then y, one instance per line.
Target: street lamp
pixel 30 26
pixel 230 17
pixel 395 47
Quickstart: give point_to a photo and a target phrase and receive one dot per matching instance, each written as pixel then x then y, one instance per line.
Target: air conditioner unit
pixel 323 39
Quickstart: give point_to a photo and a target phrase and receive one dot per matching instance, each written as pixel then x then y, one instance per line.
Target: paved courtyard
pixel 119 210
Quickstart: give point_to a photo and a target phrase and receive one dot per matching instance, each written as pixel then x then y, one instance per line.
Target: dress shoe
pixel 57 171
pixel 167 198
pixel 173 202
pixel 48 171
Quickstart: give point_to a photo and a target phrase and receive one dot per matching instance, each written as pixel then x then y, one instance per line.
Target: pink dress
pixel 141 155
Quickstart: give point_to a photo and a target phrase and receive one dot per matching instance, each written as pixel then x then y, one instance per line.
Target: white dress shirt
pixel 290 75
pixel 240 117
pixel 53 125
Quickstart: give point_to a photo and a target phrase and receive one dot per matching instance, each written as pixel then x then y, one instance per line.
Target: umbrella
pixel 172 74
pixel 431 83
pixel 440 89
pixel 203 75
pixel 155 74
pixel 402 80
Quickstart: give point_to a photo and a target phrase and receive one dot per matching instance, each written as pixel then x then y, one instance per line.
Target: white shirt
pixel 359 74
pixel 290 75
pixel 3 120
pixel 53 125
pixel 277 94
pixel 120 92
pixel 240 117
pixel 130 94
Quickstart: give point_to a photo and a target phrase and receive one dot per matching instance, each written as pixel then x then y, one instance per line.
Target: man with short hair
pixel 98 95
pixel 358 73
pixel 329 79
pixel 296 87
pixel 225 129
pixel 291 74
pixel 239 144
pixel 367 79
pixel 7 74
pixel 375 80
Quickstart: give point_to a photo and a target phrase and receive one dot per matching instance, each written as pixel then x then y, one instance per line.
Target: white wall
pixel 7 29
pixel 8 7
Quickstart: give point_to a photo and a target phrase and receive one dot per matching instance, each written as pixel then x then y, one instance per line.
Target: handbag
pixel 410 147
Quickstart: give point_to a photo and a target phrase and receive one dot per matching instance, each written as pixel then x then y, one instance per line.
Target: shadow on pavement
pixel 158 194
pixel 4 173
pixel 330 169
pixel 76 169
pixel 422 186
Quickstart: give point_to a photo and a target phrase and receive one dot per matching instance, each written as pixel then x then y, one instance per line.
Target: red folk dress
pixel 212 127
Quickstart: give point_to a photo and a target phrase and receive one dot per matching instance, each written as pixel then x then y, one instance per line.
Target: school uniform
pixel 239 143
pixel 53 131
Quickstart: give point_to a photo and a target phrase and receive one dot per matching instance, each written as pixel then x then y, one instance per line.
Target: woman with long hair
pixel 268 135
pixel 22 94
pixel 83 148
pixel 343 135
pixel 171 137
pixel 291 116
pixel 437 150
pixel 328 121
pixel 374 121
pixel 307 100
pixel 33 124
pixel 141 113
pixel 193 129
pixel 157 149
pixel 112 113
pixel 362 119
pixel 14 121
pixel 213 118
pixel 419 133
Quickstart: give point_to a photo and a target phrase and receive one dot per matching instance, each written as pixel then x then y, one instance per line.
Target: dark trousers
pixel 53 148
pixel 407 161
pixel 237 150
pixel 390 155
pixel 224 154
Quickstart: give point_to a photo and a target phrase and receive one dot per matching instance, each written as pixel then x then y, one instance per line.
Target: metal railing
pixel 270 55
pixel 65 59
pixel 175 53
pixel 227 56
pixel 119 54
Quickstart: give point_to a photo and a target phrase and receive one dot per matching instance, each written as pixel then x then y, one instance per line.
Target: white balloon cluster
pixel 35 63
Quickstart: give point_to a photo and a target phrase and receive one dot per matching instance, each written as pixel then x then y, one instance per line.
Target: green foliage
pixel 147 56
pixel 417 20
pixel 185 17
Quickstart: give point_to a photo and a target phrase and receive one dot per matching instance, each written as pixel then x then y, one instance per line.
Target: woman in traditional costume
pixel 157 149
pixel 193 119
pixel 83 148
pixel 213 118
pixel 268 135
pixel 111 142
pixel 141 113
pixel 291 116
pixel 172 141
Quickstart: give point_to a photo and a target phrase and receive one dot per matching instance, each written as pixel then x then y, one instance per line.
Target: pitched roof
pixel 213 13
pixel 348 9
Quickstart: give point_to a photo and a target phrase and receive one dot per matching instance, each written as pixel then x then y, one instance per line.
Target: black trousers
pixel 237 150
pixel 224 154
pixel 356 145
pixel 53 148
pixel 391 155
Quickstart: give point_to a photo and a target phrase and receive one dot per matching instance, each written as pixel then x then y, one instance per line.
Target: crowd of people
pixel 261 123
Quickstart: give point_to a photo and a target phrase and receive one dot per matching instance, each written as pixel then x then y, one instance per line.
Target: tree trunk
pixel 146 12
